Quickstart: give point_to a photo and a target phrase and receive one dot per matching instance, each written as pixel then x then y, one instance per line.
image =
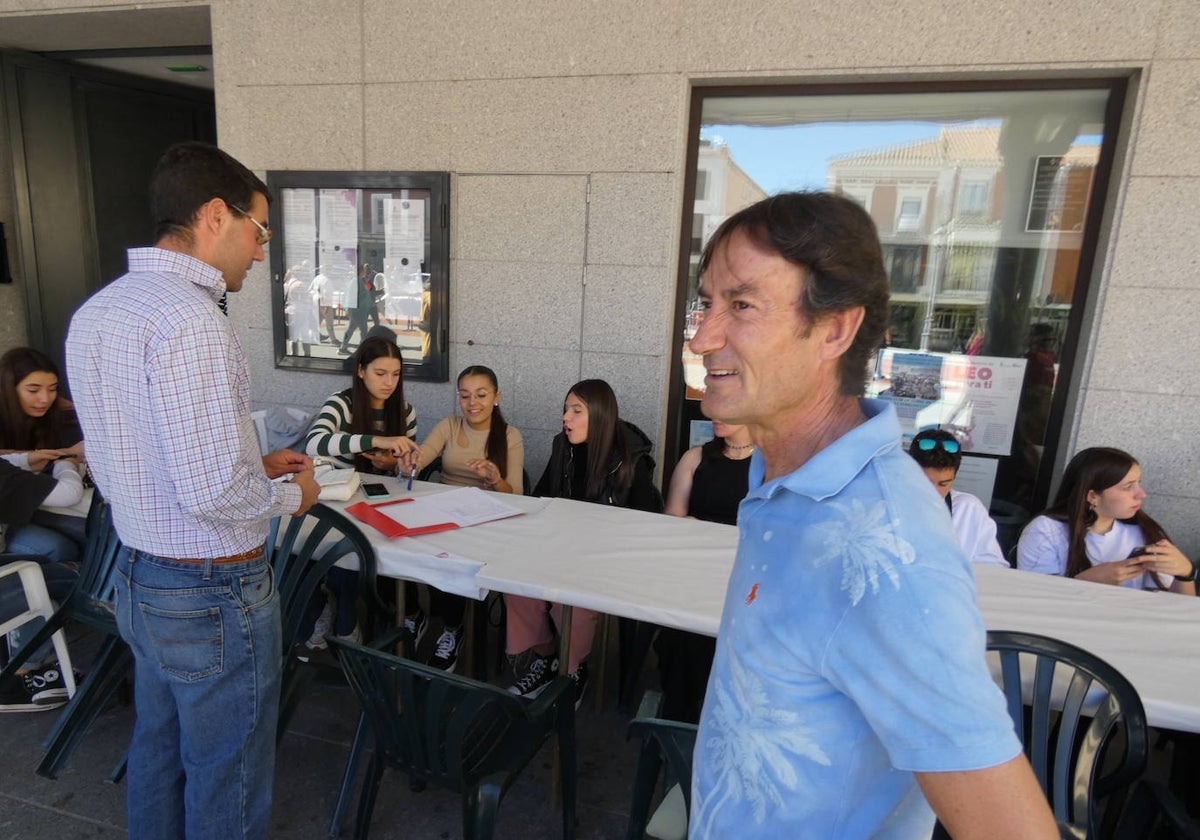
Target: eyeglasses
pixel 930 444
pixel 264 233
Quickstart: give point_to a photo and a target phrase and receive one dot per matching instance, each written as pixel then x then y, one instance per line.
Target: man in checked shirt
pixel 162 393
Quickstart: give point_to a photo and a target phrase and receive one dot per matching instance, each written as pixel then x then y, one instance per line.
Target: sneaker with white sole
pixel 354 636
pixel 542 670
pixel 445 656
pixel 322 628
pixel 46 686
pixel 28 693
pixel 416 625
pixel 580 677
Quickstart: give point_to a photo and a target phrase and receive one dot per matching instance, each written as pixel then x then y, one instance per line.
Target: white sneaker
pixel 321 629
pixel 354 637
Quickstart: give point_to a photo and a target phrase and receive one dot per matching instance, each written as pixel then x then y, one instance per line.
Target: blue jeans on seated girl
pixel 207 643
pixel 43 544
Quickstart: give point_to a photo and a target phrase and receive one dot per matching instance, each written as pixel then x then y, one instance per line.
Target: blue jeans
pixel 207 646
pixel 43 544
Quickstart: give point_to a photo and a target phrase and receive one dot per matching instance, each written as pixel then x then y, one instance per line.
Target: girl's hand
pixel 486 470
pixel 1115 573
pixel 38 459
pixel 1163 557
pixel 402 451
pixel 382 459
pixel 75 453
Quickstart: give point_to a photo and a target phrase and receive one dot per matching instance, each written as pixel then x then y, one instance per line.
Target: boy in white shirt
pixel 939 455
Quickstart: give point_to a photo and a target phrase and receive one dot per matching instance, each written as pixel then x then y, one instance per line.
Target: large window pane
pixel 981 199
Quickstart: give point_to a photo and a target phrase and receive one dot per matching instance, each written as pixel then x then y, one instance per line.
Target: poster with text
pixel 974 397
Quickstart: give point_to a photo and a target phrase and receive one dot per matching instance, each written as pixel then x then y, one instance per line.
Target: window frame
pixel 435 366
pixel 1118 86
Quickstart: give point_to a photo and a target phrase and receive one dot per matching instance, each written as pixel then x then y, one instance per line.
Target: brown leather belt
pixel 244 557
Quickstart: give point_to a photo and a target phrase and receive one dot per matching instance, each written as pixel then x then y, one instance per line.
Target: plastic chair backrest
pixel 444 728
pixel 1076 702
pixel 99 556
pixel 669 740
pixel 308 547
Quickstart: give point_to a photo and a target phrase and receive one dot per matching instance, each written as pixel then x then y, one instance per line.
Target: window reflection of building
pixel 722 188
pixel 937 204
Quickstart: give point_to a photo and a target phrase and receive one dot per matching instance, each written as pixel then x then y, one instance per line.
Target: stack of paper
pixel 436 512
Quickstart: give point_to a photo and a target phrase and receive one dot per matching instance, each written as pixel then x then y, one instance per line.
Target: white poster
pixel 977 476
pixel 337 247
pixel 974 397
pixel 984 391
pixel 300 232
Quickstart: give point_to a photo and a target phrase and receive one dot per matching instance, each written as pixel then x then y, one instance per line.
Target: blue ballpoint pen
pixel 411 475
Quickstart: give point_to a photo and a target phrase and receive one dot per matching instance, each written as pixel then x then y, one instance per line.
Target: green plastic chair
pixel 90 602
pixel 308 547
pixel 1070 745
pixel 662 740
pixel 452 732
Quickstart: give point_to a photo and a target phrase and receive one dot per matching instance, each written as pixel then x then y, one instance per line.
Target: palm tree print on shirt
pixel 750 748
pixel 866 543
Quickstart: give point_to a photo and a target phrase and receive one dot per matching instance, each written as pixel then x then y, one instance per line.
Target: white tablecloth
pixel 673 572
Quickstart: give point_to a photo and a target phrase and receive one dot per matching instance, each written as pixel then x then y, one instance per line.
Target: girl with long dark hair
pixel 478 449
pixel 39 432
pixel 371 428
pixel 32 414
pixel 600 458
pixel 1097 530
pixel 368 426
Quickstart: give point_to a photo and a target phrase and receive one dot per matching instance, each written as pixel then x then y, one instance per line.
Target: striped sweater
pixel 330 434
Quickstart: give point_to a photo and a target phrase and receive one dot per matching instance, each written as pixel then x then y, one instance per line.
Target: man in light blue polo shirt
pixel 850 690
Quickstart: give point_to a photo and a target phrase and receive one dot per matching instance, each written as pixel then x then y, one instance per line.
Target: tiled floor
pixel 83 804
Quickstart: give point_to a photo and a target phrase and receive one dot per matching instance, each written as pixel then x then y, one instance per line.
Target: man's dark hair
pixel 187 177
pixel 835 241
pixel 936 458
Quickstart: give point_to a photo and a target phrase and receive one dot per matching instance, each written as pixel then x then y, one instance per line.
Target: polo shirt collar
pixel 829 471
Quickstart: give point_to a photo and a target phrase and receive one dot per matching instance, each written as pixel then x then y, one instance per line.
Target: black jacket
pixel 21 492
pixel 641 494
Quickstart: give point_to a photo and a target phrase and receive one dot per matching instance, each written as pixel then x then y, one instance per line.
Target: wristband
pixel 1190 577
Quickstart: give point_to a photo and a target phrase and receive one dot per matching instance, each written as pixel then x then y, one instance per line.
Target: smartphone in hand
pixel 1138 552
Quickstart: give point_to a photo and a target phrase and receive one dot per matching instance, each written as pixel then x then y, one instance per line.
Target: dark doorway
pixel 84 142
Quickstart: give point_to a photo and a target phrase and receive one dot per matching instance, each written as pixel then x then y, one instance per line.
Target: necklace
pixel 730 448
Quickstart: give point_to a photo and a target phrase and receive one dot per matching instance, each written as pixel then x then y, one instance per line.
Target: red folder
pixel 390 527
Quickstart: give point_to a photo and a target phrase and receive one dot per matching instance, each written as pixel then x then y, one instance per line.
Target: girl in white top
pixel 1096 529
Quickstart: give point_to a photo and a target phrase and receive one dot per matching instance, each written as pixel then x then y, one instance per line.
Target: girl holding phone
pixel 478 449
pixel 39 432
pixel 1096 529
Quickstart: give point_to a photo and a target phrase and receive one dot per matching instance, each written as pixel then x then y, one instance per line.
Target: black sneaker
pixel 17 695
pixel 46 686
pixel 580 677
pixel 541 671
pixel 416 625
pixel 446 654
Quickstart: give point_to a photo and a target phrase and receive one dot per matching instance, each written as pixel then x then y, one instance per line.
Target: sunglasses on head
pixel 930 444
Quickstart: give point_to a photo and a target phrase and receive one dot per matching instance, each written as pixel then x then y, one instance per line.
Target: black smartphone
pixel 1137 552
pixel 375 491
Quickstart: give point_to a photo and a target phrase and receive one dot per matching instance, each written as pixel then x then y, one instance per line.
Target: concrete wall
pixel 564 124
